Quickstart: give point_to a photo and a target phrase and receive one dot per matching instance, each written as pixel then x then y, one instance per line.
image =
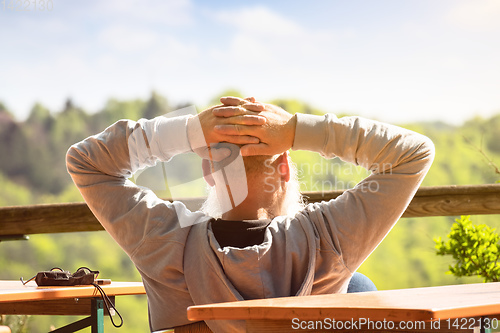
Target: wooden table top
pixel 457 301
pixel 15 291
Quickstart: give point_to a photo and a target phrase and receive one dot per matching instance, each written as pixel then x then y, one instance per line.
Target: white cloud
pixel 172 12
pixel 128 39
pixel 244 49
pixel 478 15
pixel 453 63
pixel 262 36
pixel 125 48
pixel 258 20
pixel 169 55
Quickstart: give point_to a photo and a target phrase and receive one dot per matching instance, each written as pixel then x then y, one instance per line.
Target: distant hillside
pixel 32 171
pixel 33 151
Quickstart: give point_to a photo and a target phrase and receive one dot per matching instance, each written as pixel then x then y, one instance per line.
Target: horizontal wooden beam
pixel 55 218
pixel 452 200
pixel 50 218
pixel 73 217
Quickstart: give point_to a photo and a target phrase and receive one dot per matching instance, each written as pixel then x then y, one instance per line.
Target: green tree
pixel 115 110
pixel 40 119
pixel 13 147
pixel 474 249
pixel 157 105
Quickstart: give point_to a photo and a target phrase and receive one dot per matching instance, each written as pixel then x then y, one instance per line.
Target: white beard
pixel 293 200
pixel 211 206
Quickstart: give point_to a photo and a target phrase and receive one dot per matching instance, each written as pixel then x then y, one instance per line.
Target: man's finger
pixel 230 100
pixel 250 120
pixel 234 129
pixel 255 149
pixel 231 111
pixel 240 139
pixel 257 107
pixel 249 103
pixel 220 154
pixel 213 154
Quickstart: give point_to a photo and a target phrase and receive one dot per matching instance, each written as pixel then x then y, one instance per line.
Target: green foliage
pixel 116 110
pixel 12 194
pixel 294 106
pixel 474 249
pixel 32 171
pixel 157 105
pixel 17 324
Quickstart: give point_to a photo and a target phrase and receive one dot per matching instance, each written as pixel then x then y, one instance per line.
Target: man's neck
pixel 238 214
pixel 255 207
pixel 258 205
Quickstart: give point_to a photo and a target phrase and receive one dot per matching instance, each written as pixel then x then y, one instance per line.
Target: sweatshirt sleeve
pixel 355 223
pixel 101 164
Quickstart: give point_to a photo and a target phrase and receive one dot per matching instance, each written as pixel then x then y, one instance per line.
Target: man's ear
pixel 207 172
pixel 284 167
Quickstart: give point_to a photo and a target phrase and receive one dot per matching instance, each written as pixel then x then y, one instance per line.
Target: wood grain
pixel 285 326
pixel 69 306
pixel 198 327
pixel 417 304
pixel 450 200
pixel 15 291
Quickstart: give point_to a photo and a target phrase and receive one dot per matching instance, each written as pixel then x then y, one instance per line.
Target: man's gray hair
pixel 293 201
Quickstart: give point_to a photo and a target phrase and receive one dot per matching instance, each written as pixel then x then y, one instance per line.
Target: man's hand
pixel 276 135
pixel 202 134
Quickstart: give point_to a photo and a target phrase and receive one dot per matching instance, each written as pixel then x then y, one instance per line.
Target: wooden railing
pixel 72 217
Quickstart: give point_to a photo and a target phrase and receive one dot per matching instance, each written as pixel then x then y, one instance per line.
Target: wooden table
pixel 459 308
pixel 29 299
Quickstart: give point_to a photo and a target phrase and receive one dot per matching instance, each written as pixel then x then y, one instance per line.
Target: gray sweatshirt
pixel 313 252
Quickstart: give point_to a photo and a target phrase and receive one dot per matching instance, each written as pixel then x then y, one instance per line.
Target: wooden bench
pixel 29 299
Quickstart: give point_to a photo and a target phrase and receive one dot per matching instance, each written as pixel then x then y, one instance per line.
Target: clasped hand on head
pixel 259 129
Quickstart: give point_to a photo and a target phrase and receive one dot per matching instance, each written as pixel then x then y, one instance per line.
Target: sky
pixel 392 60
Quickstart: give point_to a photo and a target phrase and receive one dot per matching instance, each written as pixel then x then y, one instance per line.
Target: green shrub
pixel 474 249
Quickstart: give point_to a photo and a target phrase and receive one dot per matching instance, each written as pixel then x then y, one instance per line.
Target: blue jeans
pixel 360 283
